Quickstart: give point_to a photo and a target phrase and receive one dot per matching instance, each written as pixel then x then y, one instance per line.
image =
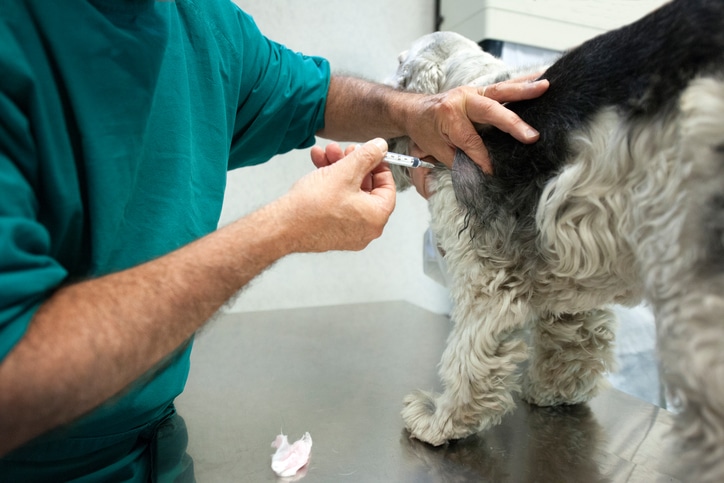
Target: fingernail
pixel 531 133
pixel 380 143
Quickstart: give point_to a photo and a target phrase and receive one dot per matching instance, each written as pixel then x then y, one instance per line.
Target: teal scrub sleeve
pixel 282 97
pixel 28 273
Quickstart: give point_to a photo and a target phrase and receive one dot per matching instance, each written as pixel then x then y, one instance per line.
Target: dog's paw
pixel 419 414
pixel 428 422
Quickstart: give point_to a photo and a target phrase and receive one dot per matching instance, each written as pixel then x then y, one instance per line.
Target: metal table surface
pixel 341 373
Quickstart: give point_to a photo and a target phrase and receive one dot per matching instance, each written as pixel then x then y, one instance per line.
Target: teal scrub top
pixel 118 122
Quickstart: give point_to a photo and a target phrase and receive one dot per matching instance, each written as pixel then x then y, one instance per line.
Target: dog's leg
pixel 479 366
pixel 681 248
pixel 691 344
pixel 479 363
pixel 571 354
pixel 478 370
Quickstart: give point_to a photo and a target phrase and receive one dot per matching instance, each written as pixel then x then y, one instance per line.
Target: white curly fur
pixel 622 220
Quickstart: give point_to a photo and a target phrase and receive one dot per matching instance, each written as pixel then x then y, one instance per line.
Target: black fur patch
pixel 639 69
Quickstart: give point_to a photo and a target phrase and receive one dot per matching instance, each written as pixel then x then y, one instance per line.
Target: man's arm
pixel 92 339
pixel 440 123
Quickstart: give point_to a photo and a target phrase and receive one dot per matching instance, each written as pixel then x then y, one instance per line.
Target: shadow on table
pixel 557 444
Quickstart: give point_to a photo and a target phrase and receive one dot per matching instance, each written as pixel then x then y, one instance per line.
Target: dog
pixel 620 200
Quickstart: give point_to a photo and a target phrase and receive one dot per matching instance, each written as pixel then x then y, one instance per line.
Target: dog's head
pixel 435 63
pixel 442 60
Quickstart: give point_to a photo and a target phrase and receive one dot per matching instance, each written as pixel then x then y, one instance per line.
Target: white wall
pixel 361 38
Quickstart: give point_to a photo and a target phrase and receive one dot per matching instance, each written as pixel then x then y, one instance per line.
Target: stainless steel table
pixel 341 373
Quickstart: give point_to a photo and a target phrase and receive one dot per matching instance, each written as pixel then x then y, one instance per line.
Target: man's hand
pixel 444 121
pixel 344 204
pixel 438 124
pixel 91 339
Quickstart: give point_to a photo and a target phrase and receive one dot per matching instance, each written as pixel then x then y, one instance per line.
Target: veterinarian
pixel 118 122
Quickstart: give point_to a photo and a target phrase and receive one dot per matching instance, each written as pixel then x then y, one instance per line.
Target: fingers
pixel 527 77
pixel 383 187
pixel 331 203
pixel 514 90
pixel 506 120
pixel 351 148
pixel 501 117
pixel 467 138
pixel 362 159
pixel 318 158
pixel 420 176
pixel 333 152
pixel 366 171
pixel 329 155
pixel 489 111
pixel 420 181
pixel 450 119
pixel 371 175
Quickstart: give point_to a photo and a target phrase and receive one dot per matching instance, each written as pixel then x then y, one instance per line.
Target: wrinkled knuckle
pixel 472 138
pixel 515 121
pixel 446 108
pixel 493 90
pixel 490 106
pixel 445 103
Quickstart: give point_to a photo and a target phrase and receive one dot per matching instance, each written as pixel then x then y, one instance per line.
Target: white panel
pixel 551 24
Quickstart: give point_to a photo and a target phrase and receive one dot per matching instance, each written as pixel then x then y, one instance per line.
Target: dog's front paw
pixel 428 421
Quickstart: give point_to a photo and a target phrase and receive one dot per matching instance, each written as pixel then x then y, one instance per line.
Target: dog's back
pixel 639 70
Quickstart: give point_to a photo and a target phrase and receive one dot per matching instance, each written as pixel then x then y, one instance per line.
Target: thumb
pixel 366 157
